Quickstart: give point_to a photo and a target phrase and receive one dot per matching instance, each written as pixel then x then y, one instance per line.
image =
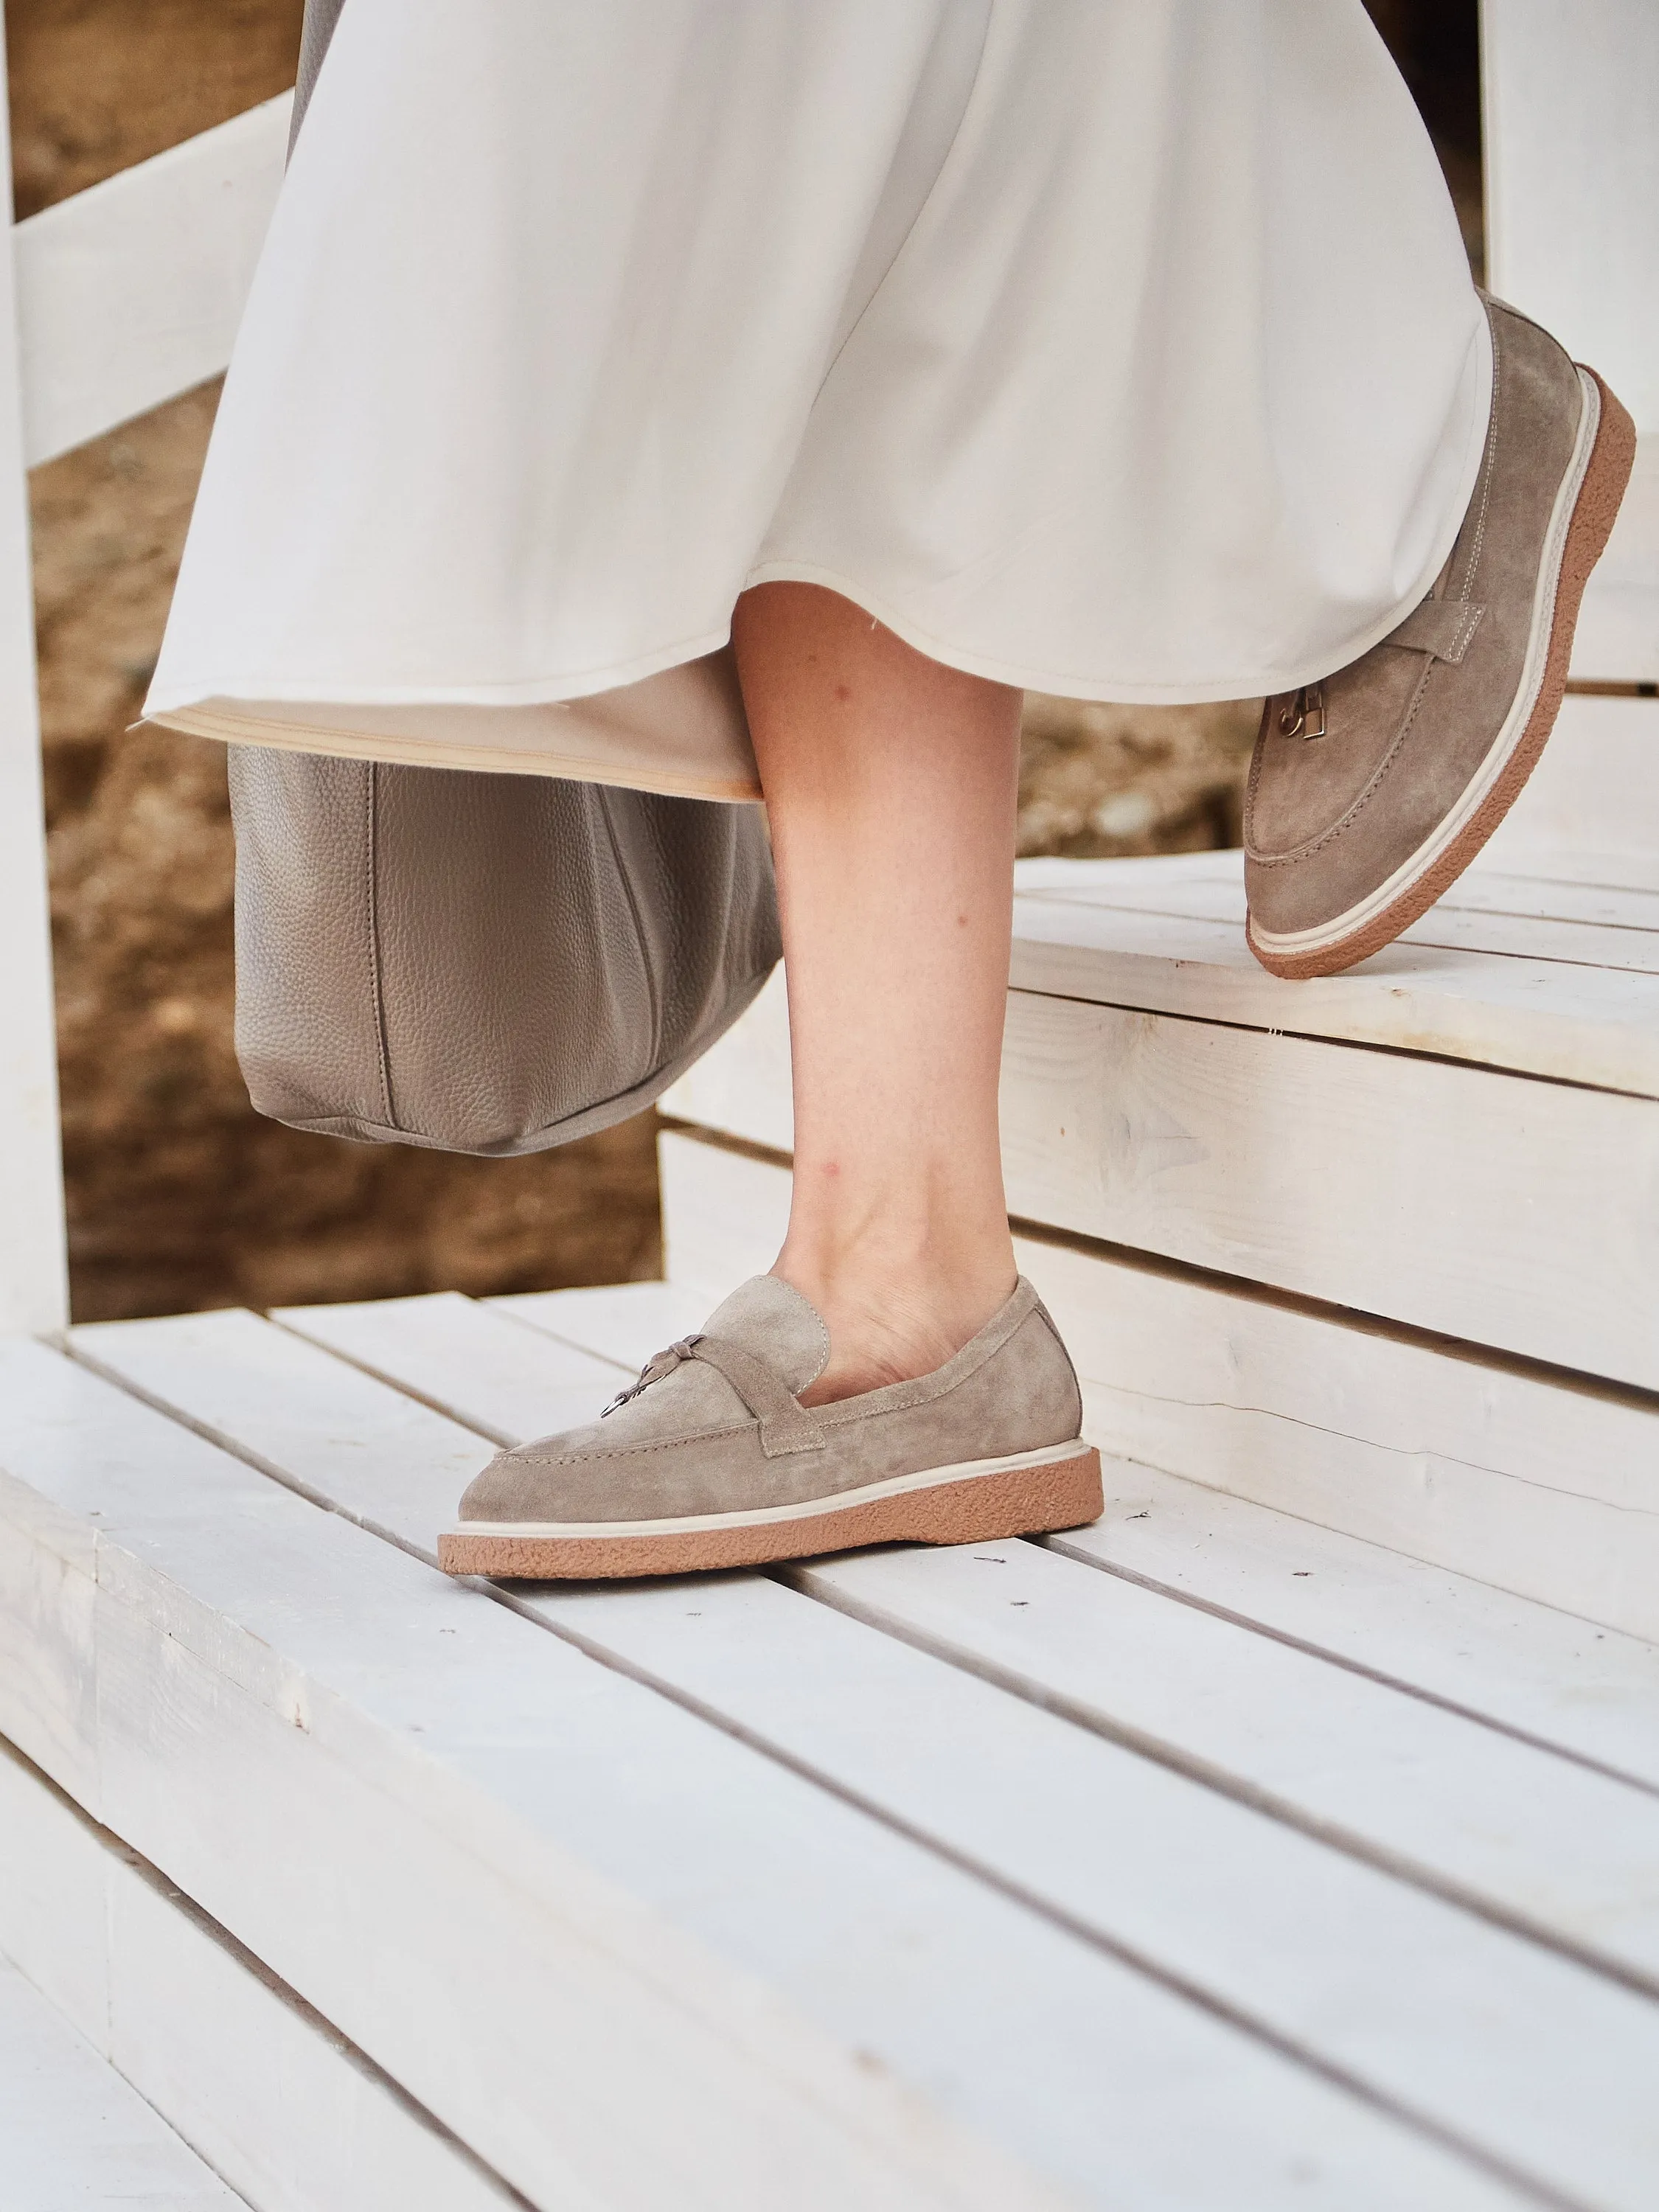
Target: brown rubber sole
pixel 1611 458
pixel 1023 1500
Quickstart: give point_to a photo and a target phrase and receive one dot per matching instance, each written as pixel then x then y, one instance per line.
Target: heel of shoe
pixel 1606 481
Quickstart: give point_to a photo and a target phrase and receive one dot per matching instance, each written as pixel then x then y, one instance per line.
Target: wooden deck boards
pixel 1206 1857
pixel 279 2105
pixel 627 1957
pixel 1229 1911
pixel 75 2137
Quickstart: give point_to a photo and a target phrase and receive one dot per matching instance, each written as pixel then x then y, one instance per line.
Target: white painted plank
pixel 1514 1214
pixel 1178 1364
pixel 665 1970
pixel 274 2101
pixel 1542 1492
pixel 1617 640
pixel 1401 1990
pixel 1597 786
pixel 1395 1988
pixel 33 1267
pixel 1077 936
pixel 723 1215
pixel 457 1350
pixel 1448 1197
pixel 1217 893
pixel 74 2136
pixel 1494 890
pixel 1572 236
pixel 1565 864
pixel 1581 1025
pixel 207 1364
pixel 47 1660
pixel 130 292
pixel 1588 1690
pixel 1572 179
pixel 1547 1493
pixel 1425 1790
pixel 1475 1779
pixel 324 1425
pixel 632 1320
pixel 1471 918
pixel 741 1086
pixel 316 1736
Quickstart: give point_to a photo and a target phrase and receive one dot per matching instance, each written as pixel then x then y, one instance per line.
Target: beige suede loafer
pixel 710 1460
pixel 1369 793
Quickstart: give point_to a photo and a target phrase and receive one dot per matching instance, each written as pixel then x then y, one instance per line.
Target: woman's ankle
pixel 890 1324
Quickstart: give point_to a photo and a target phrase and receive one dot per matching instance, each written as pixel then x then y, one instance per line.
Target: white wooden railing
pixel 110 303
pixel 129 293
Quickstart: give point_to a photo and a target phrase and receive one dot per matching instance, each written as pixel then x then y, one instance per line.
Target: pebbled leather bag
pixel 489 964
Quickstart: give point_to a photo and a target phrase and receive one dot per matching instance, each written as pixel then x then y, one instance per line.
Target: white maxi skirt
pixel 1120 349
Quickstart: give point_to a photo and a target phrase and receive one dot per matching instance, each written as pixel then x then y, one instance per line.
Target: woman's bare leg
pixel 890 784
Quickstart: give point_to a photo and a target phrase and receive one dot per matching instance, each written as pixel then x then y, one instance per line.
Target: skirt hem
pixel 415 752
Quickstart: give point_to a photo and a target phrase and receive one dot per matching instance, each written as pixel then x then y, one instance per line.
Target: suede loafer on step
pixel 1369 793
pixel 710 1460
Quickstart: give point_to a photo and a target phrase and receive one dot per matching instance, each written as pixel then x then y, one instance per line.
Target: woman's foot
pixel 891 1379
pixel 1369 793
pixel 714 1458
pixel 892 1324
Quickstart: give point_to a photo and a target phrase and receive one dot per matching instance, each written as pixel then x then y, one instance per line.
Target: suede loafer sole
pixel 1586 509
pixel 977 1501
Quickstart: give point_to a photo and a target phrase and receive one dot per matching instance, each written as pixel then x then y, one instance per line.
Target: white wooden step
pixel 634 1320
pixel 626 1957
pixel 1200 1886
pixel 1455 1197
pixel 76 2138
pixel 130 292
pixel 1379 1250
pixel 274 2099
pixel 1509 1478
pixel 1585 1689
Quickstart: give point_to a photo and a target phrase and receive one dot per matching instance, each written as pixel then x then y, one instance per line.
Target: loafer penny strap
pixel 786 1425
pixel 1441 628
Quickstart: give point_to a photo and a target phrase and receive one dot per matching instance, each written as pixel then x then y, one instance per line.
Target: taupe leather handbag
pixel 481 963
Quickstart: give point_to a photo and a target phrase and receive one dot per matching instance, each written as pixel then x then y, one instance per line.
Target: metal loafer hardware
pixel 1303 714
pixel 659 1365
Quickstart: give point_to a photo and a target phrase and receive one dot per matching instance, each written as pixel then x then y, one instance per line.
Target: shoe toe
pixel 530 1482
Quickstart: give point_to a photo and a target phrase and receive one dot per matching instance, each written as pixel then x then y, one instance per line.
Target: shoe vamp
pixel 1304 787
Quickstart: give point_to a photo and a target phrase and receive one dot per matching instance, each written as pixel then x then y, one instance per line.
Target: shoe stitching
pixel 1036 1310
pixel 633 1451
pixel 1380 774
pixel 1465 631
pixel 1491 468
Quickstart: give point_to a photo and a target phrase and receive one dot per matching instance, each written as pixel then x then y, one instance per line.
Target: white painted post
pixel 1572 127
pixel 34 1261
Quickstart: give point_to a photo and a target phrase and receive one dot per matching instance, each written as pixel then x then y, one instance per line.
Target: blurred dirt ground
pixel 180 1195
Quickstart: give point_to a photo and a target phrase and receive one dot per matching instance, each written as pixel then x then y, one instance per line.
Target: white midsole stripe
pixel 1532 679
pixel 761 1516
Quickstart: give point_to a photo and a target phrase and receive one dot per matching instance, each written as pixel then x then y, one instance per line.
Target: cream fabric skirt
pixel 1120 349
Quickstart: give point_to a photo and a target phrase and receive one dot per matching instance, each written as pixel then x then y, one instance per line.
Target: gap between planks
pixel 1542 1493
pixel 1609 1722
pixel 1093 2069
pixel 1166 1266
pixel 412 1331
pixel 75 2137
pixel 611 1607
pixel 222 2048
